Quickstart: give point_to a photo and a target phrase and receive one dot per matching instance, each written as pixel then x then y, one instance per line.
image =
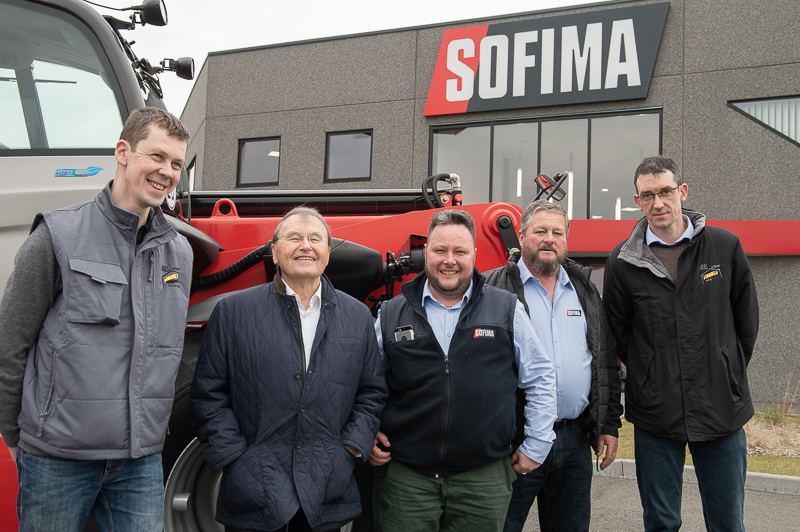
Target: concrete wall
pixel 712 52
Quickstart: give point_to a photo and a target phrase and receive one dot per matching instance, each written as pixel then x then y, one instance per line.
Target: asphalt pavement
pixel 616 506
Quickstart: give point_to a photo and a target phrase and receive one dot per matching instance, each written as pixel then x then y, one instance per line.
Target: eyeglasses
pixel 663 194
pixel 297 238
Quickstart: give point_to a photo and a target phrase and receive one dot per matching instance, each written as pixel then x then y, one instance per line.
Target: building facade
pixel 714 84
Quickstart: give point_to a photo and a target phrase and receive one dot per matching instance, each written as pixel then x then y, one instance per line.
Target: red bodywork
pixel 238 236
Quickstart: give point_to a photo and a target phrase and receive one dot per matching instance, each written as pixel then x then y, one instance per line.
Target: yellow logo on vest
pixel 172 278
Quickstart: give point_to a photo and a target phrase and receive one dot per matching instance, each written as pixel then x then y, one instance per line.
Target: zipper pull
pixel 152 264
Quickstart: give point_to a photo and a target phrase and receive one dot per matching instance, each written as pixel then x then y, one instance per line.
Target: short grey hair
pixel 307 212
pixel 453 217
pixel 541 205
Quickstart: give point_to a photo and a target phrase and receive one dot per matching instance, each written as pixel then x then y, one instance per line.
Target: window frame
pixel 240 144
pixel 433 128
pixel 113 83
pixel 326 177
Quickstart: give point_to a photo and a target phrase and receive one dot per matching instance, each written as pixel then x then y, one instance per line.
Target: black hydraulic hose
pixel 237 268
pixel 425 184
pixel 430 181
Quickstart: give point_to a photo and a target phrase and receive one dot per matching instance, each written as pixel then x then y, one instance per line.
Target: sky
pixel 197 27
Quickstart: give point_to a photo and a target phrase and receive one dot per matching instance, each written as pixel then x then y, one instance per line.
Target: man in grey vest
pixel 91 335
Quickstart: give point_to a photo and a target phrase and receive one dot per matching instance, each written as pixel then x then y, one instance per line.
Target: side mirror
pixel 183 67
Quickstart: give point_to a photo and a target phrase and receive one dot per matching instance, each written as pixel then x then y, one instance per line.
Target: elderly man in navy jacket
pixel 288 391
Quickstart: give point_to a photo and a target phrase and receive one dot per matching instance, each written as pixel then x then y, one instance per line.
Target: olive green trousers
pixel 473 501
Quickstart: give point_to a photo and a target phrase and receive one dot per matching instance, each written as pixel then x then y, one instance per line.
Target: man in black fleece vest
pixel 455 351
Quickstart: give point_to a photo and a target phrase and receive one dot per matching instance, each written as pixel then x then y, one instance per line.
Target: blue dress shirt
pixel 561 327
pixel 535 367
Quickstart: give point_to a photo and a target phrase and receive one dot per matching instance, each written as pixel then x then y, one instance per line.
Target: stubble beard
pixel 459 289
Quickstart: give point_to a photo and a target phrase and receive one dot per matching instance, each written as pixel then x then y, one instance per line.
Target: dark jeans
pixel 720 465
pixel 562 486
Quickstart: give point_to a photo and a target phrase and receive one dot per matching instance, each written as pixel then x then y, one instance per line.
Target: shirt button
pixel 298 445
pixel 303 409
pixel 559 365
pixel 297 375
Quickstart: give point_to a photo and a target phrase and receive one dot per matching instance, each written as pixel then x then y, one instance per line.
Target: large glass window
pixel 514 162
pixel 499 161
pixel 564 149
pixel 259 162
pixel 619 143
pixel 464 151
pixel 348 156
pixel 60 94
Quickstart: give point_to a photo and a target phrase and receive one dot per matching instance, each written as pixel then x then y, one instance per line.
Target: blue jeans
pixel 562 486
pixel 720 465
pixel 57 495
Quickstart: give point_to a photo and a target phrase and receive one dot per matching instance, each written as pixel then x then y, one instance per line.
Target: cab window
pixel 58 94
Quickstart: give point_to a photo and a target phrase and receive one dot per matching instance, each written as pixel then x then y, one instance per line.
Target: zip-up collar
pixel 128 223
pixel 635 251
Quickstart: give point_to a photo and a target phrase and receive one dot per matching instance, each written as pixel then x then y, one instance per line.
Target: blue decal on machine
pixel 79 172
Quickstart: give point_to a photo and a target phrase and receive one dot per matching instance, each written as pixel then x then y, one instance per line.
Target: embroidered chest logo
pixel 711 274
pixel 573 312
pixel 484 333
pixel 171 276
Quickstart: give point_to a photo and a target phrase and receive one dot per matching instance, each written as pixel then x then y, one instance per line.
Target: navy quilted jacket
pixel 278 434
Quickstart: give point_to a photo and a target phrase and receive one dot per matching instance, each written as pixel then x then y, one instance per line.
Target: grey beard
pixel 546 268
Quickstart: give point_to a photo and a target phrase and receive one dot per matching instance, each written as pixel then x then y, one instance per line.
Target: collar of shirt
pixel 315 302
pixel 427 297
pixel 651 237
pixel 525 274
pixel 443 320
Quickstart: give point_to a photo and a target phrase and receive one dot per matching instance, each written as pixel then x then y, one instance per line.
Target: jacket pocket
pixel 736 388
pixel 242 485
pixel 339 481
pixel 95 291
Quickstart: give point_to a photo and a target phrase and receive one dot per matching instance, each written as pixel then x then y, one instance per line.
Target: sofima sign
pixel 589 57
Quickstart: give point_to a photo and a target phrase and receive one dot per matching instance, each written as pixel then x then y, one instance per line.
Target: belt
pixel 561 423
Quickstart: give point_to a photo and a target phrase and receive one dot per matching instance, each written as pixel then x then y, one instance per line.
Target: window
pixel 464 151
pixel 58 95
pixel 348 156
pixel 514 163
pixel 564 149
pixel 781 115
pixel 499 161
pixel 619 143
pixel 259 162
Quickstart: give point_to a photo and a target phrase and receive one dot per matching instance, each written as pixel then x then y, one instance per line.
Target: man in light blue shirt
pixel 566 312
pixel 454 352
